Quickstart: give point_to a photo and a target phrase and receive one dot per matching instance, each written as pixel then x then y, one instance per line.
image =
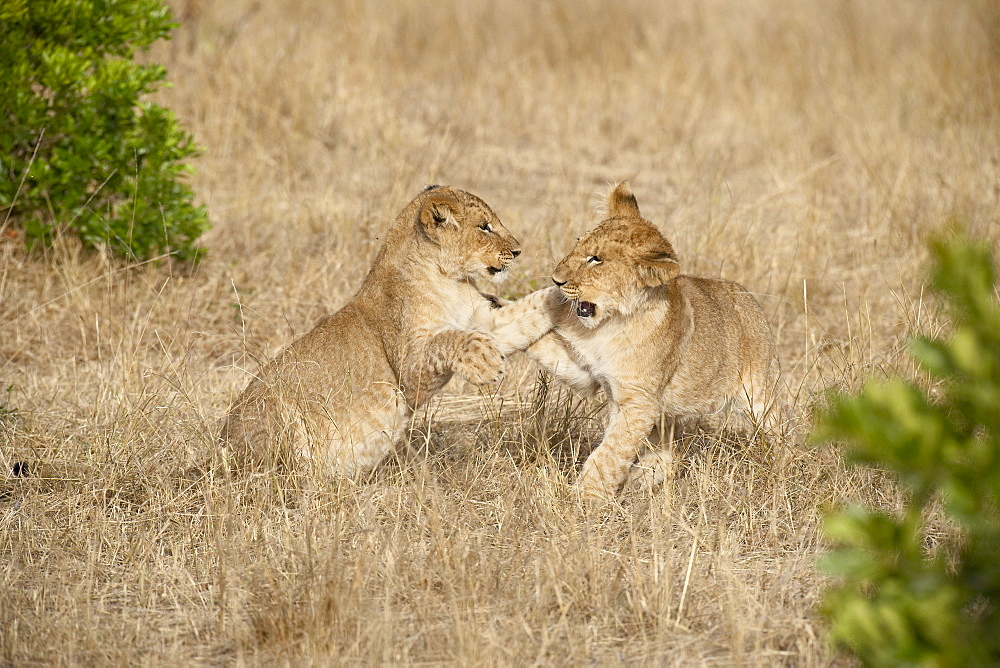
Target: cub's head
pixel 470 239
pixel 612 268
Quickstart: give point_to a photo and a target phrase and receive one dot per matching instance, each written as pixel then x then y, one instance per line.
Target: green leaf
pixel 98 157
pixel 894 603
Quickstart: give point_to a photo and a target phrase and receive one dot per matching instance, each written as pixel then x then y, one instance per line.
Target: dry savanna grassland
pixel 806 149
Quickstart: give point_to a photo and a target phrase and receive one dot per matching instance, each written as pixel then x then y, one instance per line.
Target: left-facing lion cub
pixel 343 394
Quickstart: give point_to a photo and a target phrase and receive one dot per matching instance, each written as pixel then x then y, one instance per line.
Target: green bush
pixel 903 600
pixel 78 145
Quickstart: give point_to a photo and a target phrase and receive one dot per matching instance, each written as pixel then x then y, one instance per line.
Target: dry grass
pixel 806 149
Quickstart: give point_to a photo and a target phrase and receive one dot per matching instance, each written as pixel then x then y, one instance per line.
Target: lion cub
pixel 344 393
pixel 660 344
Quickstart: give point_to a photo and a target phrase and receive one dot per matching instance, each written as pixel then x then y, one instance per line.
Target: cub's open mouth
pixel 586 309
pixel 493 271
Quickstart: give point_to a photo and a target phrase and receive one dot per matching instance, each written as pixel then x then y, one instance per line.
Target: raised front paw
pixel 480 361
pixel 519 324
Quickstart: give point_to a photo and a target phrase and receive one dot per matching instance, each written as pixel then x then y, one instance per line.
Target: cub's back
pixel 740 327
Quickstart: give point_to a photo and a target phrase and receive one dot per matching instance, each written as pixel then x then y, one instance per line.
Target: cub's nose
pixel 515 253
pixel 558 283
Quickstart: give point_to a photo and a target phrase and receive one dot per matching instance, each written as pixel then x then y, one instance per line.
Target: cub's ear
pixel 437 211
pixel 621 202
pixel 658 266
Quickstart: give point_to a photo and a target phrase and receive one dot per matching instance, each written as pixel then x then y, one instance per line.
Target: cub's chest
pixel 454 308
pixel 605 354
pixel 622 351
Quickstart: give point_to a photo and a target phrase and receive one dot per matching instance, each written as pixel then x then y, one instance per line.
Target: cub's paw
pixel 651 471
pixel 595 487
pixel 480 362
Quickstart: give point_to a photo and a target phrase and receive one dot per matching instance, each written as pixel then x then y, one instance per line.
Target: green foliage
pixel 901 602
pixel 78 145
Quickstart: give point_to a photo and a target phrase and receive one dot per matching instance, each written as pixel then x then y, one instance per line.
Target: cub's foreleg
pixel 433 359
pixel 553 354
pixel 516 325
pixel 624 440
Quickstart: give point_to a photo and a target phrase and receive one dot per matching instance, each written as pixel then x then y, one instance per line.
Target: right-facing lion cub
pixel 343 394
pixel 658 343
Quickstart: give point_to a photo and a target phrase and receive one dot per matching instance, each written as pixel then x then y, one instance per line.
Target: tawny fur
pixel 662 346
pixel 343 394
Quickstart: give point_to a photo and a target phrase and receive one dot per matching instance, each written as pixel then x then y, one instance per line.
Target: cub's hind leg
pixel 760 398
pixel 355 438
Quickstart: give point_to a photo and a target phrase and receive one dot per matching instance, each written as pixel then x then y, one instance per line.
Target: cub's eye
pixel 486 227
pixel 593 259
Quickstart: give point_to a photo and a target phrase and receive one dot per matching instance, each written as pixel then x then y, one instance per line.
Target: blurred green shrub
pixel 78 145
pixel 902 600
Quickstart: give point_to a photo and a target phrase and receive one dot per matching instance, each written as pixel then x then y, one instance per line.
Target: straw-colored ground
pixel 806 149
